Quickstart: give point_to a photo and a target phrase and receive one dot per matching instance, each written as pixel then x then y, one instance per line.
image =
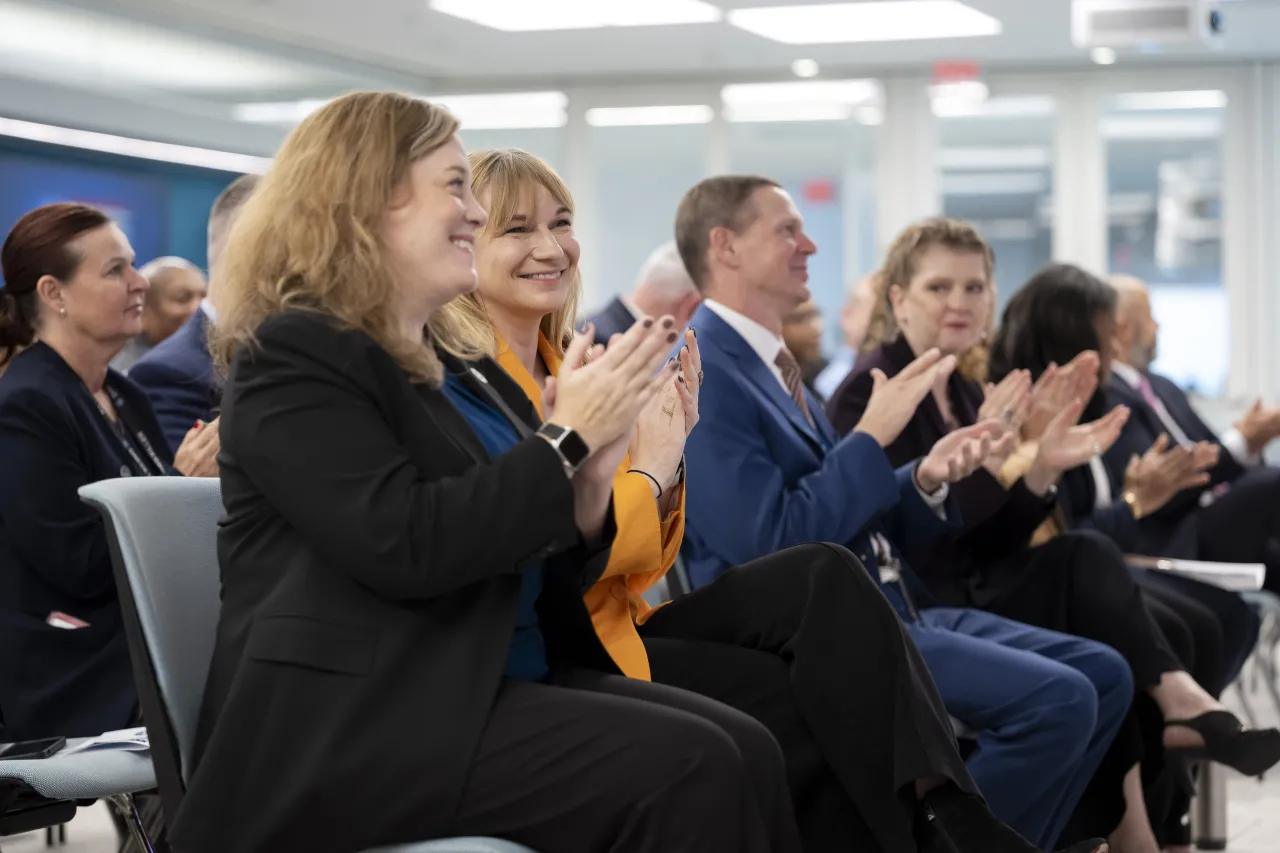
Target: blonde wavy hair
pixel 308 237
pixel 510 176
pixel 900 267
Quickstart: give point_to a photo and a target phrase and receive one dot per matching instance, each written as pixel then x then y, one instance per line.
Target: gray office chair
pixel 161 531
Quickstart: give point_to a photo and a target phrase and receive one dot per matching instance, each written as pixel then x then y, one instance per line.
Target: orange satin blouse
pixel 644 549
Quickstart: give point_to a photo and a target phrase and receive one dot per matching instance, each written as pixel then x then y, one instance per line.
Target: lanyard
pixel 130 436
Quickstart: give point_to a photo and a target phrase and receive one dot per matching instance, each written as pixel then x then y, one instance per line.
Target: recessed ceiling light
pixel 532 15
pixel 276 112
pixel 870 116
pixel 810 100
pixel 1103 56
pixel 805 68
pixel 901 20
pixel 145 149
pixel 1207 99
pixel 506 111
pixel 635 116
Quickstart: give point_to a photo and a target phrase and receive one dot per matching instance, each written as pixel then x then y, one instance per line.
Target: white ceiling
pixel 405 42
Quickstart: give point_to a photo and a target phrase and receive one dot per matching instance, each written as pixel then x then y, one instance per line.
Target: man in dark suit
pixel 1236 517
pixel 769 471
pixel 178 374
pixel 662 287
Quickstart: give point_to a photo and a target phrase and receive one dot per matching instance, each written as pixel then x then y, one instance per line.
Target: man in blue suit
pixel 662 287
pixel 178 373
pixel 770 471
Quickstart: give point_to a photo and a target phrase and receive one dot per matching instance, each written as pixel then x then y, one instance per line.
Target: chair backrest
pixel 162 532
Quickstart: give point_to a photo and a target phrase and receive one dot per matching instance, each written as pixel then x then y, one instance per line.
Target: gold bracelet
pixel 1135 506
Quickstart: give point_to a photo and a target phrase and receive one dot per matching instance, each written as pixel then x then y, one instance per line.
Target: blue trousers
pixel 1045 705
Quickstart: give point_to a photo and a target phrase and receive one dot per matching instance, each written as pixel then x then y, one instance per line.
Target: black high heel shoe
pixel 1226 741
pixel 952 821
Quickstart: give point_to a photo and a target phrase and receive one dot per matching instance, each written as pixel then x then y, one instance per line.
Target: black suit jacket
pixel 179 377
pixel 998 522
pixel 53 552
pixel 614 319
pixel 371 562
pixel 1166 528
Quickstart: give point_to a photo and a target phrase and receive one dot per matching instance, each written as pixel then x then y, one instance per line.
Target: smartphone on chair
pixel 31 749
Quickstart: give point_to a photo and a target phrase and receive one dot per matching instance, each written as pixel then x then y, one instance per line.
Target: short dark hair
pixel 720 202
pixel 39 244
pixel 1050 320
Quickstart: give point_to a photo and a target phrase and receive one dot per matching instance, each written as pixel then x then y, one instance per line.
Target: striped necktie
pixel 793 379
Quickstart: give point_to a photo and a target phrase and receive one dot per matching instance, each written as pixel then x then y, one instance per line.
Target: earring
pixel 62 312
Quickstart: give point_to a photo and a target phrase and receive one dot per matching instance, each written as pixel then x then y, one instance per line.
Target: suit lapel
pixel 759 374
pixel 1181 413
pixel 1123 393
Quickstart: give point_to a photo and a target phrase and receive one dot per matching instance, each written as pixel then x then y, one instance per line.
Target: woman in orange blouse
pixel 802 640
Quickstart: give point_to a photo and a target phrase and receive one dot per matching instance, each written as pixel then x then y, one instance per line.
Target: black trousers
pixel 596 762
pixel 804 641
pixel 1078 583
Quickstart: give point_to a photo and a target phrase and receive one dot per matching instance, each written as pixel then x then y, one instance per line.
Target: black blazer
pixel 53 552
pixel 371 562
pixel 614 319
pixel 998 522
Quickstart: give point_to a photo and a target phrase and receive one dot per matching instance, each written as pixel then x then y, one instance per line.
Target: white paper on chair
pixel 127 740
pixel 1238 577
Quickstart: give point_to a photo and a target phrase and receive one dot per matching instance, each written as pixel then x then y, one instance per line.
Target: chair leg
pixel 128 809
pixel 1210 807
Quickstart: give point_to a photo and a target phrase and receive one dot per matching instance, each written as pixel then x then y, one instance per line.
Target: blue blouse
pixel 527 658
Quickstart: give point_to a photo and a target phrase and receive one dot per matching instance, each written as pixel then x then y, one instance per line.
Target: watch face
pixel 552 431
pixel 575 450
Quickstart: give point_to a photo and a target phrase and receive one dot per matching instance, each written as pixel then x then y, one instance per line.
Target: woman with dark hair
pixel 1061 314
pixel 71 301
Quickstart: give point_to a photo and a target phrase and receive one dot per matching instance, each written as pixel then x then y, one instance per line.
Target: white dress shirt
pixel 767 345
pixel 1232 439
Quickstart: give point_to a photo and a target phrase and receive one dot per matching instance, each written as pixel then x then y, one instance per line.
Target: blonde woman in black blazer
pixel 403 651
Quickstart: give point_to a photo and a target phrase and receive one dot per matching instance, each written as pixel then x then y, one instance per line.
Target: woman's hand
pixel 1066 445
pixel 959 453
pixel 1056 388
pixel 894 401
pixel 657 445
pixel 1007 404
pixel 1159 474
pixel 600 398
pixel 197 456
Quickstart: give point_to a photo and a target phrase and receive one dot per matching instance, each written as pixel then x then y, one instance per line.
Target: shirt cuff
pixel 936 501
pixel 1233 441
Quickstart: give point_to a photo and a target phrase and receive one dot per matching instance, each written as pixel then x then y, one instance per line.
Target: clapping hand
pixel 1056 388
pixel 894 401
pixel 1259 426
pixel 960 452
pixel 197 456
pixel 657 443
pixel 1159 474
pixel 1066 444
pixel 1007 404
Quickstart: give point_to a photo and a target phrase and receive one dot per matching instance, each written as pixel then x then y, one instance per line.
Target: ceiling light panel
pixel 533 15
pixel 1209 99
pixel 810 100
pixel 506 111
pixel 71 46
pixel 637 116
pixel 839 23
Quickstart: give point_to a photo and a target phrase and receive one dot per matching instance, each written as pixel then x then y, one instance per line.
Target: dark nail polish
pixel 671 338
pixel 648 322
pixel 680 379
pixel 668 323
pixel 695 332
pixel 673 358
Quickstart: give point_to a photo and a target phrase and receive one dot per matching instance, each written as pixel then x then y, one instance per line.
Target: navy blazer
pixel 614 319
pixel 999 522
pixel 53 552
pixel 178 376
pixel 762 478
pixel 1159 532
